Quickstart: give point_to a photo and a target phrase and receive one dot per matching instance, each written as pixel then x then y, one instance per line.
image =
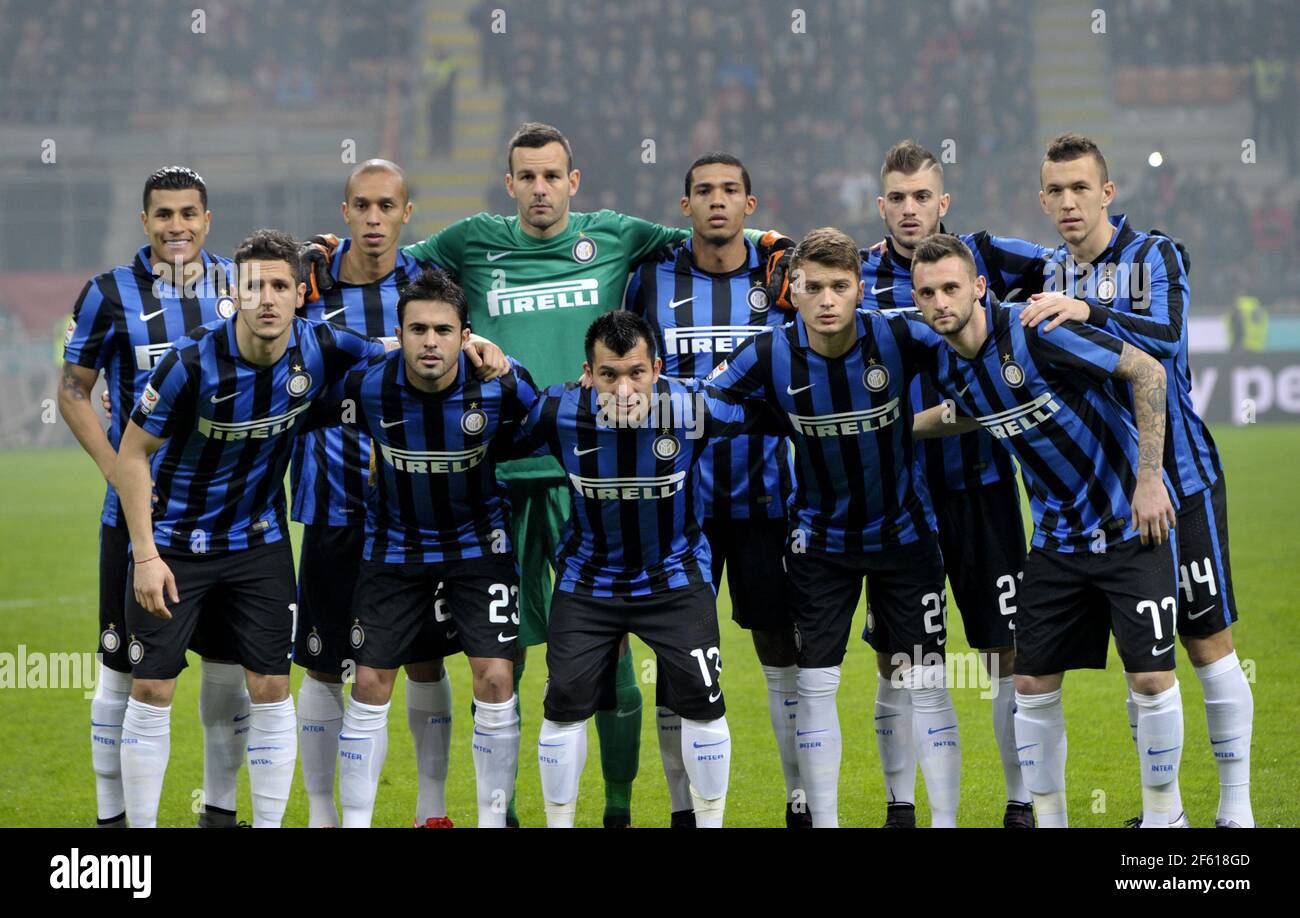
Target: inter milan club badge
pixel 1106 286
pixel 313 643
pixel 226 307
pixel 358 634
pixel 584 250
pixel 473 421
pixel 757 299
pixel 299 382
pixel 876 378
pixel 666 446
pixel 135 651
pixel 1013 374
pixel 110 640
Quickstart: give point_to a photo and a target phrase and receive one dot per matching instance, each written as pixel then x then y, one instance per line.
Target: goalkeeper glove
pixel 775 249
pixel 314 257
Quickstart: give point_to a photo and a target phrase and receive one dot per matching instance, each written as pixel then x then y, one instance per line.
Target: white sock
pixel 706 750
pixel 561 756
pixel 146 746
pixel 1004 734
pixel 817 737
pixel 1230 713
pixel 363 746
pixel 428 714
pixel 893 720
pixel 1160 750
pixel 320 718
pixel 1175 794
pixel 107 710
pixel 670 753
pixel 1041 745
pixel 224 712
pixel 496 759
pixel 272 750
pixel 938 745
pixel 783 709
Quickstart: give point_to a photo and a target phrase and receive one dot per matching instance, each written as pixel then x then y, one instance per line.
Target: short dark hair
pixel 940 246
pixel 830 247
pixel 1071 146
pixel 174 178
pixel 724 159
pixel 534 135
pixel 437 285
pixel 270 245
pixel 908 157
pixel 619 331
pixel 377 165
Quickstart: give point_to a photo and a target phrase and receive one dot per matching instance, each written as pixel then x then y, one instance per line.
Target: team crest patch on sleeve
pixel 1013 374
pixel 717 371
pixel 69 332
pixel 148 400
pixel 584 250
pixel 876 378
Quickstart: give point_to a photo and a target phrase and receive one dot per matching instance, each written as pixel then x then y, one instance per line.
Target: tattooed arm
pixel 1153 513
pixel 78 411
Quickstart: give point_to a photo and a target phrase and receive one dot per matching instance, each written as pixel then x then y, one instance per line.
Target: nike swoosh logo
pixel 808 732
pixel 551 745
pixel 1219 742
pixel 242 717
pixel 353 738
pixel 789 391
pixel 1158 650
pixel 885 716
pixel 329 315
pixel 875 290
pixel 267 748
pixel 224 398
pixel 962 392
pixel 1151 751
pixel 715 696
pixel 790 702
pixel 583 452
pixel 669 714
pixel 1026 746
pixel 495 257
pixel 501 637
pixel 698 745
pixel 478 732
pixel 673 304
pixel 145 317
pixel 932 731
pixel 387 424
pixel 1199 614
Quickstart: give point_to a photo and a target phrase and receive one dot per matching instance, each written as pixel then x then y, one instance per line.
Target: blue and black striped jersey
pixel 850 418
pixel 1046 398
pixel 436 497
pixel 328 471
pixel 1138 291
pixel 635 517
pixel 1014 269
pixel 126 319
pixel 699 319
pixel 229 427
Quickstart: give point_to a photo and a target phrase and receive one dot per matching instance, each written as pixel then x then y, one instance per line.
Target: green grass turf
pixel 49 532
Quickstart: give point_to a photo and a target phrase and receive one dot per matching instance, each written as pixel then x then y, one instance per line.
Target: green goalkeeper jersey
pixel 534 297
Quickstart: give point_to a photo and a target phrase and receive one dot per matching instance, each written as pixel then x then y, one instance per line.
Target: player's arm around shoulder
pixel 1153 512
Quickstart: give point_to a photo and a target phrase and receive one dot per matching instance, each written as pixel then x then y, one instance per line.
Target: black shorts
pixel 247 595
pixel 405 613
pixel 1205 602
pixel 327 577
pixel 680 626
pixel 982 535
pixel 751 550
pixel 1071 602
pixel 906 602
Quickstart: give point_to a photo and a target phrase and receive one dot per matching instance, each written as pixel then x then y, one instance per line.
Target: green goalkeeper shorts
pixel 540 508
